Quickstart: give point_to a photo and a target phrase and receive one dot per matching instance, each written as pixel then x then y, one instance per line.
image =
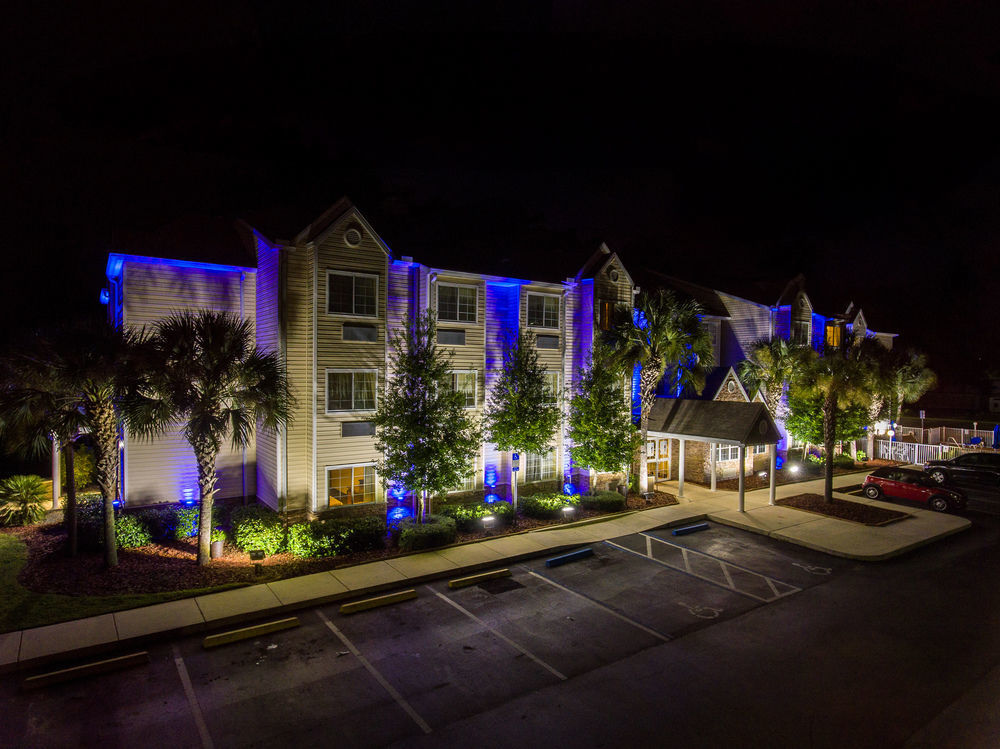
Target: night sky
pixel 722 143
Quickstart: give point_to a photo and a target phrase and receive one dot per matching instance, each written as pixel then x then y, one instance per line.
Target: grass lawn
pixel 21 608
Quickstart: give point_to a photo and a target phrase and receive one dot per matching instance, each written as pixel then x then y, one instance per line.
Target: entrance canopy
pixel 718 423
pixel 721 422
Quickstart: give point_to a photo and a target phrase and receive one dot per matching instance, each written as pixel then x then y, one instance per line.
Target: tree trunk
pixel 70 514
pixel 106 447
pixel 829 430
pixel 205 453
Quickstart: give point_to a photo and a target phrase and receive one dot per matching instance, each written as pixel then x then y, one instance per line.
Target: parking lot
pixel 371 678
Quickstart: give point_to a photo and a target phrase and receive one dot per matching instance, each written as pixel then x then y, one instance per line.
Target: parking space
pixel 373 678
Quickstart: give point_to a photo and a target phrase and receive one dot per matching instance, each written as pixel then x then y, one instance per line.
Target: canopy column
pixel 743 457
pixel 773 473
pixel 711 462
pixel 56 483
pixel 680 470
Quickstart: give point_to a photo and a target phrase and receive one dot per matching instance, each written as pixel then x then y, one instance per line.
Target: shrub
pixel 814 458
pixel 84 467
pixel 436 530
pixel 330 537
pixel 22 500
pixel 257 527
pixel 843 461
pixel 218 534
pixel 185 522
pixel 469 517
pixel 161 521
pixel 861 456
pixel 547 506
pixel 603 502
pixel 90 521
pixel 131 531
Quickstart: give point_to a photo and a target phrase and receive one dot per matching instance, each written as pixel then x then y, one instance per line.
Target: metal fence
pixel 945 435
pixel 916 452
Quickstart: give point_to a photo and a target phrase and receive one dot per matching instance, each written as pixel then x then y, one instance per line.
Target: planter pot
pixel 216 551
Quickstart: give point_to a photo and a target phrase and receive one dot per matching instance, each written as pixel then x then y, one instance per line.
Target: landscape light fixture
pixel 256 556
pixel 793 469
pixel 568 512
pixel 488 521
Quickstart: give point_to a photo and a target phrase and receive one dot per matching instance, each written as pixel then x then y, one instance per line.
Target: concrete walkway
pixel 134 627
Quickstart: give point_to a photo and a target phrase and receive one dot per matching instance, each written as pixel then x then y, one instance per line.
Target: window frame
pixel 555 391
pixel 543 295
pixel 729 448
pixel 351 467
pixel 475 384
pixel 458 320
pixel 335 370
pixel 473 478
pixel 550 456
pixel 352 275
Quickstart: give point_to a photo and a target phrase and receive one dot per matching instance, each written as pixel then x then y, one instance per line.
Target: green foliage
pixel 218 534
pixel 84 466
pixel 861 456
pixel 469 517
pixel 90 521
pixel 805 418
pixel 161 521
pixel 257 527
pixel 600 421
pixel 131 531
pixel 22 500
pixel 547 506
pixel 424 434
pixel 843 461
pixel 814 458
pixel 769 365
pixel 331 537
pixel 523 413
pixel 186 522
pixel 603 502
pixel 436 530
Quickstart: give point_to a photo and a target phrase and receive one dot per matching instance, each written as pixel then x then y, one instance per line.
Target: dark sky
pixel 723 143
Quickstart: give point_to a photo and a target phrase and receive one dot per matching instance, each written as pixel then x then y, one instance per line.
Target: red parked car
pixel 917 486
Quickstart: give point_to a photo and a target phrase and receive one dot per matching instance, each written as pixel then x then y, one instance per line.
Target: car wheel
pixel 873 492
pixel 938 475
pixel 939 504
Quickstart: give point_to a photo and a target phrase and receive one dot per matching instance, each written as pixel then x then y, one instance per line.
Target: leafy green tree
pixel 768 367
pixel 203 370
pixel 839 379
pixel 523 413
pixel 22 500
pixel 424 434
pixel 84 466
pixel 600 420
pixel 805 419
pixel 663 335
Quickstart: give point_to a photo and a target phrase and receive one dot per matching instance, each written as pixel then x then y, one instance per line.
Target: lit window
pixel 540 467
pixel 464 383
pixel 351 293
pixel 351 390
pixel 833 335
pixel 457 303
pixel 543 311
pixel 605 313
pixel 350 485
pixel 552 384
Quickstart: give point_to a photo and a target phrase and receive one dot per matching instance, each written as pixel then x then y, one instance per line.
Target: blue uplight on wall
pixel 398 492
pixel 779 461
pixel 490 478
pixel 636 382
pixel 569 488
pixel 491 498
pixel 399 513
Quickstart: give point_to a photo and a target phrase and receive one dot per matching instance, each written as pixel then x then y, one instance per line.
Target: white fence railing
pixel 945 435
pixel 916 452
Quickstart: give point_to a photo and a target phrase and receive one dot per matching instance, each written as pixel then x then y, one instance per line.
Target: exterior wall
pixel 749 322
pixel 269 485
pixel 503 308
pixel 164 469
pixel 298 328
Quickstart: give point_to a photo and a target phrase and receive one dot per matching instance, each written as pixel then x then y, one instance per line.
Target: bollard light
pixel 568 512
pixel 488 522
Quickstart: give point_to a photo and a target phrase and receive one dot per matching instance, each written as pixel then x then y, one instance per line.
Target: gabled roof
pixel 600 260
pixel 321 227
pixel 792 289
pixel 725 377
pixel 724 422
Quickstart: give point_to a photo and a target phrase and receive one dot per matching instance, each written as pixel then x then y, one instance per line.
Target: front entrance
pixel 657 461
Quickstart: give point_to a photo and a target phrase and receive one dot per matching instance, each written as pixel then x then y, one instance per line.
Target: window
pixel 350 485
pixel 351 293
pixel 451 337
pixel 800 331
pixel 360 332
pixel 357 429
pixel 540 467
pixel 464 382
pixel 605 313
pixel 552 383
pixel 468 484
pixel 351 390
pixel 727 452
pixel 759 449
pixel 834 333
pixel 543 311
pixel 547 341
pixel 457 303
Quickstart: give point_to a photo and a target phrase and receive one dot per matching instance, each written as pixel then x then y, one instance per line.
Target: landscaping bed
pixel 843 509
pixel 169 565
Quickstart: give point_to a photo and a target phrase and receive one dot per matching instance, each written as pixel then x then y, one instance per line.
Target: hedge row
pixel 547 506
pixel 469 517
pixel 436 530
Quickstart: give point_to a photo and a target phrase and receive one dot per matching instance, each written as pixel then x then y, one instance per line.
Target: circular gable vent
pixel 353 237
pixel 612 274
pixel 731 386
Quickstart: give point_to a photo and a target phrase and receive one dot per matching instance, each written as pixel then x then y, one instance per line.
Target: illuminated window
pixel 605 313
pixel 543 311
pixel 350 485
pixel 351 390
pixel 833 335
pixel 464 382
pixel 759 449
pixel 727 452
pixel 351 293
pixel 540 467
pixel 457 303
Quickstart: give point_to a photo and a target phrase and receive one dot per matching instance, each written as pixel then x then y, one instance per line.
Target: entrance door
pixel 657 461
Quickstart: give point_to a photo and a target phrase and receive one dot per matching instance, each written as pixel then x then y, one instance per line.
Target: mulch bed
pixel 843 509
pixel 170 565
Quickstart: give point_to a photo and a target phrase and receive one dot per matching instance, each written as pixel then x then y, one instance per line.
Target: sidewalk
pixel 136 627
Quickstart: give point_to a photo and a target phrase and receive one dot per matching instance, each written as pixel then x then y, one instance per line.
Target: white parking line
pixel 400 700
pixel 633 622
pixel 502 636
pixel 199 720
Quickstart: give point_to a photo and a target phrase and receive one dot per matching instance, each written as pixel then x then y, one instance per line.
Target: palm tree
pixel 841 377
pixel 663 336
pixel 910 378
pixel 203 370
pixel 769 366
